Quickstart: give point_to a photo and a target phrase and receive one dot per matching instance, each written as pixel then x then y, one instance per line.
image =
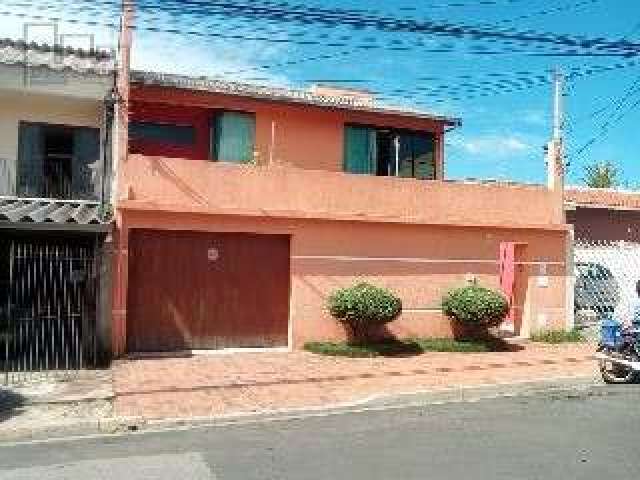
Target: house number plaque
pixel 213 254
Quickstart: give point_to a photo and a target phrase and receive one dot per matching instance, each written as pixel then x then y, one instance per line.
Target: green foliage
pixel 364 307
pixel 476 305
pixel 558 336
pixel 390 348
pixel 602 175
pixel 106 212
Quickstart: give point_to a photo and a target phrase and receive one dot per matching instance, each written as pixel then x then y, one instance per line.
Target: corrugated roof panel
pixel 20 210
pixel 41 213
pixel 16 52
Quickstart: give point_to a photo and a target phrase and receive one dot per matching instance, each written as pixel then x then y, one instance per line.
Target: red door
pixel 194 290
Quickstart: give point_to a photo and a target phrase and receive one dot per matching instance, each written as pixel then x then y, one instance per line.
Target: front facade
pixel 240 208
pixel 55 147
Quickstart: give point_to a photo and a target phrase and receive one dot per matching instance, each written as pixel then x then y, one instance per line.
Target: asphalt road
pixel 544 437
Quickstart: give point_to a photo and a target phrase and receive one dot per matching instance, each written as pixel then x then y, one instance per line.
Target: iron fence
pixel 48 312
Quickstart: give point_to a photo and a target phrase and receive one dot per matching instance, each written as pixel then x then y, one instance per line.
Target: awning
pixel 52 214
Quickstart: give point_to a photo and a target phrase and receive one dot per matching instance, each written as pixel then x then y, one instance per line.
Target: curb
pixel 556 387
pixel 559 387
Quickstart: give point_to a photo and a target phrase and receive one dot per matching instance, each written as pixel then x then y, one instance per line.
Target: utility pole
pixel 119 237
pixel 556 172
pixel 555 148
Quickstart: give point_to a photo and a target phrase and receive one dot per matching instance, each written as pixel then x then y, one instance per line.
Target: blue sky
pixel 502 135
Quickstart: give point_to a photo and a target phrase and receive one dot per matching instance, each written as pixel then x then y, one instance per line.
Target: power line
pixel 448 96
pixel 605 128
pixel 285 13
pixel 554 10
pixel 518 84
pixel 613 101
pixel 483 89
pixel 549 11
pixel 271 39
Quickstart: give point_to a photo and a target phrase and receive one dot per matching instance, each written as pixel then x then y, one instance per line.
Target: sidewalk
pixel 227 384
pixel 54 402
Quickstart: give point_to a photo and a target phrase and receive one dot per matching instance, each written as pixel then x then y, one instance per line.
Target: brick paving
pixel 214 385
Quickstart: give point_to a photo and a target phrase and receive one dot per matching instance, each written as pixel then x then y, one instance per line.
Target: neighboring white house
pixel 55 147
pixel 53 121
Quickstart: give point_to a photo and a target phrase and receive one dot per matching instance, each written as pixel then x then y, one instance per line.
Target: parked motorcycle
pixel 619 352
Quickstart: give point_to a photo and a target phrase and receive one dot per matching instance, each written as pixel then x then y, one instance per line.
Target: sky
pixel 503 133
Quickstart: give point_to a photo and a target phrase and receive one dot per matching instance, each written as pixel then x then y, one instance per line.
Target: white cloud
pixel 493 144
pixel 165 52
pixel 211 55
pixel 535 117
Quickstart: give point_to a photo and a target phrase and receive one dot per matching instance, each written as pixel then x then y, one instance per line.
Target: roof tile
pixel 15 52
pixel 306 97
pixel 603 198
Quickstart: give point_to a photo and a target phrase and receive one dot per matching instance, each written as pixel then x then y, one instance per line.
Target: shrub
pixel 558 336
pixel 476 305
pixel 399 347
pixel 363 308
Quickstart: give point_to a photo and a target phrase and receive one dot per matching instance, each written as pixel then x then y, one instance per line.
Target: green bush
pixel 558 336
pixel 476 305
pixel 363 308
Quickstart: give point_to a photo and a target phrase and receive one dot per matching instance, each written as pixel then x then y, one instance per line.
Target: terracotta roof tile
pixel 603 198
pixel 307 97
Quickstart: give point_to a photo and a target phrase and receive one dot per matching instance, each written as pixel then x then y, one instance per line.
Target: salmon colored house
pixel 240 208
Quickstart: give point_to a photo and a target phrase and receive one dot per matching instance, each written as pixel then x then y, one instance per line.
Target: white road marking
pixel 155 467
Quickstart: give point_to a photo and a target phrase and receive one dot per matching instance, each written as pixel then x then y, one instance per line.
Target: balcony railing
pixel 180 185
pixel 55 180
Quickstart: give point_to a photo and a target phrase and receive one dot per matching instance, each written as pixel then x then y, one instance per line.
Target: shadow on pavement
pixel 10 403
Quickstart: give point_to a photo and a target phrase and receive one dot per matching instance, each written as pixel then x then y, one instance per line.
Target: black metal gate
pixel 47 306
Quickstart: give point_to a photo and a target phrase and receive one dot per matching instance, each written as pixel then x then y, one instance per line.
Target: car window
pixel 593 271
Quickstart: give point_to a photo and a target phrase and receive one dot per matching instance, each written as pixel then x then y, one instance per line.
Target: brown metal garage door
pixel 193 290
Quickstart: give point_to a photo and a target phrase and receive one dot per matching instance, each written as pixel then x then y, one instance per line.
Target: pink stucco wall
pixel 417 238
pixel 286 133
pixel 419 262
pixel 210 187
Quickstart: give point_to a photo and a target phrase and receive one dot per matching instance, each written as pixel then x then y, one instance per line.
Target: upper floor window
pixel 389 152
pixel 56 161
pixel 233 137
pixel 165 133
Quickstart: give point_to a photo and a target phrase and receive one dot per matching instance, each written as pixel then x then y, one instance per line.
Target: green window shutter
pixel 415 156
pixel 30 170
pixel 86 177
pixel 234 137
pixel 423 156
pixel 405 156
pixel 360 150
